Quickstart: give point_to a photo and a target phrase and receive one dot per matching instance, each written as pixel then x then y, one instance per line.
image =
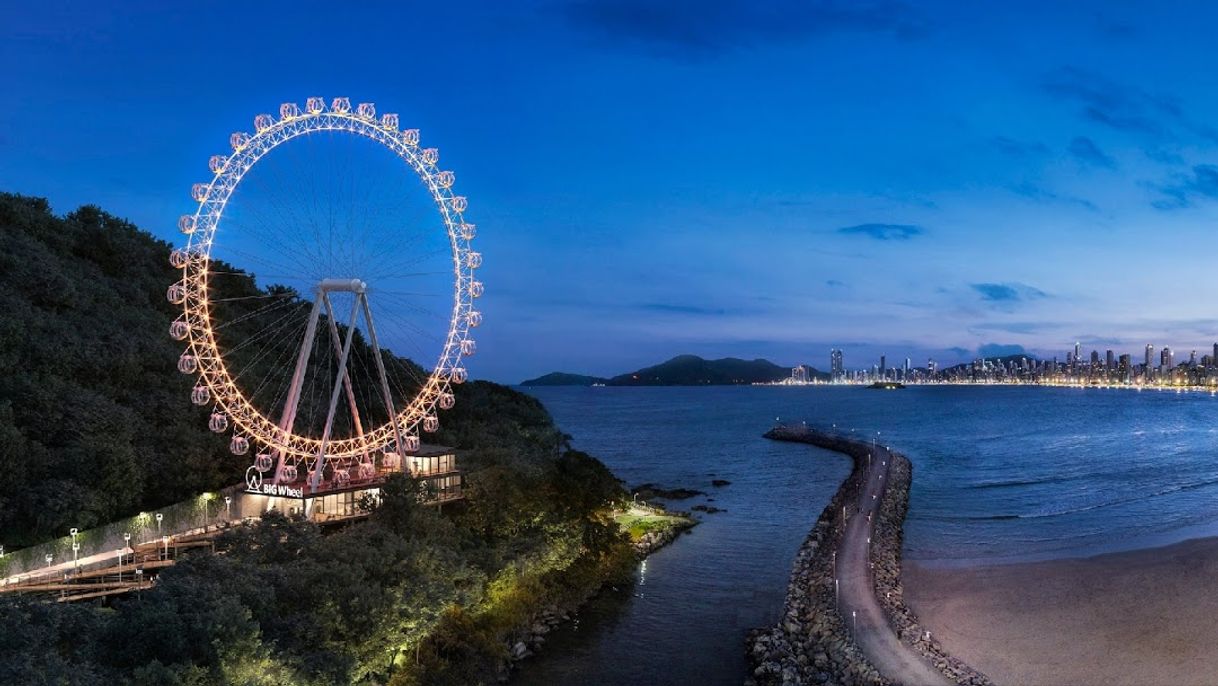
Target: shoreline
pixel 811 643
pixel 530 635
pixel 1132 617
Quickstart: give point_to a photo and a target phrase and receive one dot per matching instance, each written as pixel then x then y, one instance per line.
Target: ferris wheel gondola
pixel 266 409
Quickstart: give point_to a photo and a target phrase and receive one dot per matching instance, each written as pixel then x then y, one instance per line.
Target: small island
pixel 887 385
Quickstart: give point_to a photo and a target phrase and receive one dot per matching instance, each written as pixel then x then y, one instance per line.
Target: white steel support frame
pixel 192 292
pixel 342 381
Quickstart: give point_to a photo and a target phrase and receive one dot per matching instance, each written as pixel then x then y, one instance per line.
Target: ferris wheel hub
pixel 339 285
pixel 348 453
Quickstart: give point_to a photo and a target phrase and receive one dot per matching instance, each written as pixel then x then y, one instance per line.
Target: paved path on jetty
pixel 860 610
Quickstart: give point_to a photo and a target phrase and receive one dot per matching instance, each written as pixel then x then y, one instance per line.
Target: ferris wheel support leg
pixel 315 480
pixel 298 376
pixel 380 369
pixel 338 347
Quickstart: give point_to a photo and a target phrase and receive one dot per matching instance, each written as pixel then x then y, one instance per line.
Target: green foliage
pixel 95 423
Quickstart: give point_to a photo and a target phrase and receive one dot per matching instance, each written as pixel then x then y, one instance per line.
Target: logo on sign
pixel 253 480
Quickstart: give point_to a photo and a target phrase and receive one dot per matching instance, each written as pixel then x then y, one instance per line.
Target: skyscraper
pixel 1150 356
pixel 1108 360
pixel 883 366
pixel 837 371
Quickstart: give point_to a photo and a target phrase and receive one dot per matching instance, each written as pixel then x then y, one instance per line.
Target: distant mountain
pixel 685 370
pixel 564 379
pixel 691 370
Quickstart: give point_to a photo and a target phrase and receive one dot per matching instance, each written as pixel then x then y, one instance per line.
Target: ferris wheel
pixel 327 290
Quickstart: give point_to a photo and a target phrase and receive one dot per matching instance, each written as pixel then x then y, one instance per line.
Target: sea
pixel 1001 474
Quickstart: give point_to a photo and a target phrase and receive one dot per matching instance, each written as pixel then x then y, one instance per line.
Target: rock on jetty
pixel 811 643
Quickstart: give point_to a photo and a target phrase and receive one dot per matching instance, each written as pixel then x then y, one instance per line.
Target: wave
pixel 1076 510
pixel 1013 483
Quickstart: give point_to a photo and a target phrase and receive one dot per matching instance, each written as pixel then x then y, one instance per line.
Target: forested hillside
pixel 96 422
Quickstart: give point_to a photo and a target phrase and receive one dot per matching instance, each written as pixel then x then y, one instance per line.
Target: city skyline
pixel 722 180
pixel 1158 366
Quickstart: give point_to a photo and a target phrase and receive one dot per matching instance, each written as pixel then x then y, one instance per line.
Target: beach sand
pixel 1142 618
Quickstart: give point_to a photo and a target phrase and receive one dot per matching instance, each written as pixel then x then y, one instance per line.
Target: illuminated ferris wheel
pixel 326 302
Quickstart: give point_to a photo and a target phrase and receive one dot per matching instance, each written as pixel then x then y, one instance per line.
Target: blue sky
pixel 718 178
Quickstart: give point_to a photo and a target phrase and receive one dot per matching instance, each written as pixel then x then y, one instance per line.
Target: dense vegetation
pixel 94 420
pixel 96 423
pixel 408 596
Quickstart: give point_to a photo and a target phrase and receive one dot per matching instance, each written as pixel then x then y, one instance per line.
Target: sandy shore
pixel 1141 618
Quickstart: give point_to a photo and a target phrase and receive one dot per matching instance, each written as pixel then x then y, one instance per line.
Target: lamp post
pixel 159 517
pixel 120 566
pixel 76 556
pixel 228 507
pixel 48 558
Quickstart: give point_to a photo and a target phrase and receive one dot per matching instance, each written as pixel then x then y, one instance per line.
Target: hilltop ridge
pixel 684 370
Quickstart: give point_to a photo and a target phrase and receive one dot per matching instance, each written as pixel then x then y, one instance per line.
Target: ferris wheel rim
pixel 212 198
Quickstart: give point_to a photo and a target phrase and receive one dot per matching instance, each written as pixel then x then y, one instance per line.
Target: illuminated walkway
pixel 860 609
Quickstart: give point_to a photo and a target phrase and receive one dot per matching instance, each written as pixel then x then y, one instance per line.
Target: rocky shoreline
pixel 531 635
pixel 886 558
pixel 811 644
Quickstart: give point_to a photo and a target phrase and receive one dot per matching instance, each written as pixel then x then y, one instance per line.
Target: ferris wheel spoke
pixel 285 223
pixel 274 332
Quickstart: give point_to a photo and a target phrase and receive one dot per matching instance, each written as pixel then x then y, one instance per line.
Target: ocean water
pixel 1001 474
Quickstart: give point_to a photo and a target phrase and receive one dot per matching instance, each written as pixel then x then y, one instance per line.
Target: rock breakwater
pixel 811 644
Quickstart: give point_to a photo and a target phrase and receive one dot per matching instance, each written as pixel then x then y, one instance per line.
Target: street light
pixel 228 507
pixel 76 556
pixel 120 566
pixel 159 517
pixel 48 558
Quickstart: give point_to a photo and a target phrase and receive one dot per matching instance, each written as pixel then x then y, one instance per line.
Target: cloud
pixel 672 308
pixel 1012 327
pixel 1007 293
pixel 1034 192
pixel 1106 102
pixel 1201 183
pixel 834 283
pixel 1086 151
pixel 1000 350
pixel 1121 107
pixel 1017 148
pixel 697 29
pixel 1163 156
pixel 1092 339
pixel 884 232
pixel 959 352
